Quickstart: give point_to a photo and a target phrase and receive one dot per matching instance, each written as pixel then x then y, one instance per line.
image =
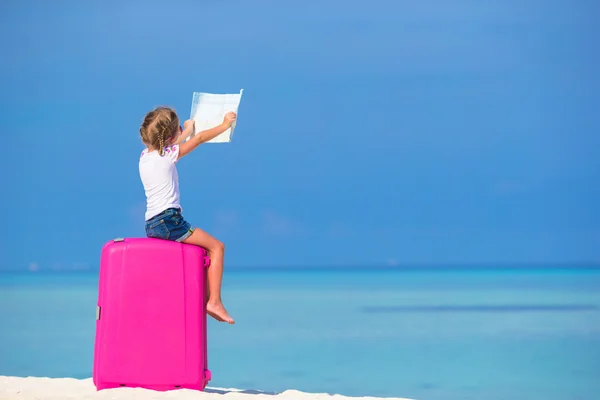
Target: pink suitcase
pixel 151 316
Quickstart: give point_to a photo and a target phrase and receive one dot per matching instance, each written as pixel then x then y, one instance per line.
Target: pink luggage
pixel 151 316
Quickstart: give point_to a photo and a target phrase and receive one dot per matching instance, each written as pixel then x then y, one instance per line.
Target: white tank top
pixel 160 180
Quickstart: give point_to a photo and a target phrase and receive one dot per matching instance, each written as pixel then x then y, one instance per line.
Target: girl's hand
pixel 188 125
pixel 229 119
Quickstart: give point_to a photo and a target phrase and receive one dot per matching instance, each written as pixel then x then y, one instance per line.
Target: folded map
pixel 209 109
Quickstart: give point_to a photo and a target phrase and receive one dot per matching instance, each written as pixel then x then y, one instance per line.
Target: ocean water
pixel 425 334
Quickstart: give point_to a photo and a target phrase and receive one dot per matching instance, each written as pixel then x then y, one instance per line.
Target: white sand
pixel 82 389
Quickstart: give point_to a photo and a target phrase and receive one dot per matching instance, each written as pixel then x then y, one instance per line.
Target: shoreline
pixel 30 388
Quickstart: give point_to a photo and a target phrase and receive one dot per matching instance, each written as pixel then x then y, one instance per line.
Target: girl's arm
pixel 205 136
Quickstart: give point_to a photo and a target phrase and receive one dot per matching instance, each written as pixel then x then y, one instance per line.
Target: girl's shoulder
pixel 171 149
pixel 168 151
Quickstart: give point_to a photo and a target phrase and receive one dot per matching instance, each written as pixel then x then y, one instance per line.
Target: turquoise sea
pixel 424 333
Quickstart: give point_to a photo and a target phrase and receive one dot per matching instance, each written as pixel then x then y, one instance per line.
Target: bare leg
pixel 206 302
pixel 216 251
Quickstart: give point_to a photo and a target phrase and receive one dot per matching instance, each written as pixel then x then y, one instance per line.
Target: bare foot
pixel 215 316
pixel 218 312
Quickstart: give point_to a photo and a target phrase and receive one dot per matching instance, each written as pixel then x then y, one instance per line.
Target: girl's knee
pixel 218 246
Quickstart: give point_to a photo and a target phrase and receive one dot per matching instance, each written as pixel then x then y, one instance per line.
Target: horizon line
pixel 454 266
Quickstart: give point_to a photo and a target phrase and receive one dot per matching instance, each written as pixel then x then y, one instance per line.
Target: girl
pixel 164 138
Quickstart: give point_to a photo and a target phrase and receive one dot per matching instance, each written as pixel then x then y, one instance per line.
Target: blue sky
pixel 381 132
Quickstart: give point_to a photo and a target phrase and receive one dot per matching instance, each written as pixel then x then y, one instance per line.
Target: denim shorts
pixel 169 225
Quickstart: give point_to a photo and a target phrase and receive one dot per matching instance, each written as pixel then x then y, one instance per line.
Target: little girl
pixel 164 138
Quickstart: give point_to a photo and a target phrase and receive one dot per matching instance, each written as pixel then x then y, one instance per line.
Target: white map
pixel 209 109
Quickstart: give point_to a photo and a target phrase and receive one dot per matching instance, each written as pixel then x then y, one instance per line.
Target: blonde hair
pixel 160 125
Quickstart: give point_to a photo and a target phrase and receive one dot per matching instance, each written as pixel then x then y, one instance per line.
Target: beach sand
pixel 81 389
